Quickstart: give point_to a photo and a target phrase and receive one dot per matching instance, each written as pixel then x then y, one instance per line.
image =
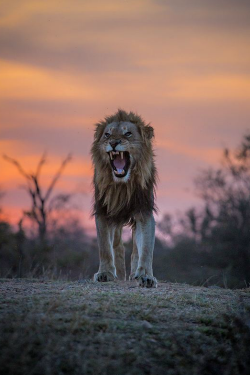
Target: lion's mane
pixel 120 202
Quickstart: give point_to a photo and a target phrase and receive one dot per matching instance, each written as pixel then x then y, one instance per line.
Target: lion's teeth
pixel 122 154
pixel 119 171
pixel 110 154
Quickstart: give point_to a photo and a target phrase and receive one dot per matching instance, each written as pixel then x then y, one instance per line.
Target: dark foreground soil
pixel 116 328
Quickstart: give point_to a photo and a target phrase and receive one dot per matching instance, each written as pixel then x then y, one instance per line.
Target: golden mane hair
pixel 119 202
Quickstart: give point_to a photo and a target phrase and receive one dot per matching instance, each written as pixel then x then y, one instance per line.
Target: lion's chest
pixel 120 206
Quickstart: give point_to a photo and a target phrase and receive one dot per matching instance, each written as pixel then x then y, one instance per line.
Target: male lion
pixel 124 181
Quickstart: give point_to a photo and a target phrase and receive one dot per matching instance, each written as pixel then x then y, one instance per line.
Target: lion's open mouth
pixel 120 161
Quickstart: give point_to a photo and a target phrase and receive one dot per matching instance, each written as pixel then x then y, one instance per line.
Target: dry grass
pixel 116 328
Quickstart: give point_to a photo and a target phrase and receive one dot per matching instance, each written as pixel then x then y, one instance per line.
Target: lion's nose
pixel 114 143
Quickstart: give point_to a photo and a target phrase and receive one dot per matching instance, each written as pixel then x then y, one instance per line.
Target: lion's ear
pixel 98 132
pixel 149 131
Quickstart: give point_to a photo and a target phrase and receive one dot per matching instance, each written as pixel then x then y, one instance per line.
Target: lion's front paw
pixel 146 281
pixel 104 276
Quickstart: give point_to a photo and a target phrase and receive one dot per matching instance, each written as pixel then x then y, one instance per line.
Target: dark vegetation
pixel 208 245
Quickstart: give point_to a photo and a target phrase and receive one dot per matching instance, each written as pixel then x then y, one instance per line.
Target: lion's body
pixel 124 182
pixel 141 202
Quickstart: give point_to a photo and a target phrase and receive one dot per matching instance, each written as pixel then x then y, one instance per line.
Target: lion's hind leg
pixel 119 254
pixel 134 257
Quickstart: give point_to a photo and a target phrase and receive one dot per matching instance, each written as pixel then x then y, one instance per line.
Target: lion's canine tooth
pixel 110 154
pixel 122 154
pixel 123 172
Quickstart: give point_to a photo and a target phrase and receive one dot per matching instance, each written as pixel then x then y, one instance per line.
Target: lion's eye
pixel 128 134
pixel 107 135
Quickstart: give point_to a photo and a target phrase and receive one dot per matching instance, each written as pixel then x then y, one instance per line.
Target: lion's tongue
pixel 119 163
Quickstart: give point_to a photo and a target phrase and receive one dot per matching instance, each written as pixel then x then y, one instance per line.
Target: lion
pixel 124 184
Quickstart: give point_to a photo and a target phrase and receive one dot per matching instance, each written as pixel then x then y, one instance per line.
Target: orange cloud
pixel 212 87
pixel 19 81
pixel 209 155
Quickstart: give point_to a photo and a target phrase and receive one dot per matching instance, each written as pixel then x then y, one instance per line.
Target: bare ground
pixel 117 328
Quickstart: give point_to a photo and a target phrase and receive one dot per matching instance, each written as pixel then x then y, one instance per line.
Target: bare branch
pixel 40 164
pixel 37 189
pixel 59 202
pixel 18 166
pixel 57 175
pixel 34 206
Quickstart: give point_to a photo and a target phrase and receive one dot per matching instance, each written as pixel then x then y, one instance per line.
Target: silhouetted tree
pixel 20 239
pixel 7 242
pixel 42 204
pixel 221 226
pixel 226 193
pixel 1 196
pixel 5 228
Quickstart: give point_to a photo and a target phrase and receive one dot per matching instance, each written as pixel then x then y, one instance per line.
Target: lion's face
pixel 120 147
pixel 125 173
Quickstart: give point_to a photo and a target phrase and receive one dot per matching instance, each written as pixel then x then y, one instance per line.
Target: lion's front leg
pixel 145 240
pixel 105 236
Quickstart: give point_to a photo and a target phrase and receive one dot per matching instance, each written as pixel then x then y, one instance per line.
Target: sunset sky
pixel 184 65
